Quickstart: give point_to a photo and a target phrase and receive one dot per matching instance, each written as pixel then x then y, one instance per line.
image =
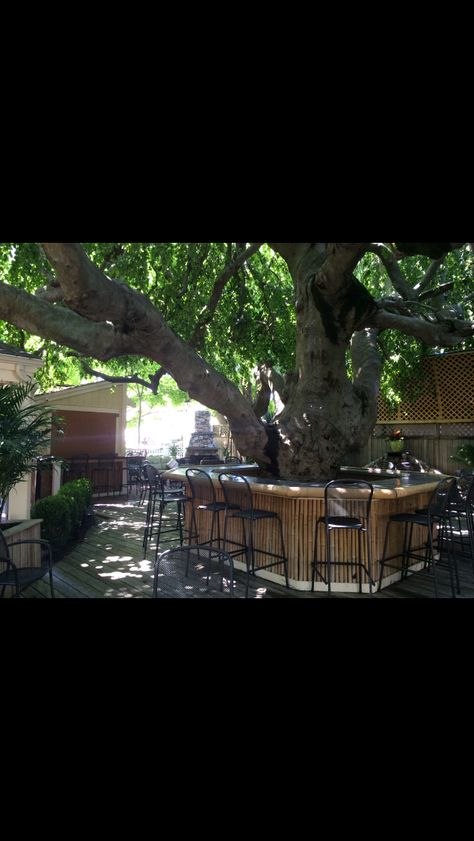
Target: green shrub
pixel 63 514
pixel 79 495
pixel 55 511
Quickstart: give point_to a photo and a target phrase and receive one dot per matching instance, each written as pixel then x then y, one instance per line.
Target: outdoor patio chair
pixel 177 560
pixel 239 505
pixel 347 506
pixel 439 548
pixel 20 577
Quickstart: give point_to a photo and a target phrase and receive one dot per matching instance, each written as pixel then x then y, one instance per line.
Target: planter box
pixel 23 530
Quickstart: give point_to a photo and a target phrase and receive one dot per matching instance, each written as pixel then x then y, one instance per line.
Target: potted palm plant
pixel 25 432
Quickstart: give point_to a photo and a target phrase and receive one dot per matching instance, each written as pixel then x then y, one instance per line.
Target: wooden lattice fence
pixel 438 420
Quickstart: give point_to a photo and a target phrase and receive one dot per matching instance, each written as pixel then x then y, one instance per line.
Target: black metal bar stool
pixel 437 517
pixel 204 499
pixel 462 512
pixel 134 465
pixel 347 506
pixel 239 505
pixel 158 500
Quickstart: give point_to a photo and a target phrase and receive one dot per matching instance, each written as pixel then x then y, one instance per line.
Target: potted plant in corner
pixel 25 433
pixel 396 442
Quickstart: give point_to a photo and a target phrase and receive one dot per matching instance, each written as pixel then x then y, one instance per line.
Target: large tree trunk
pixel 326 413
pixel 324 419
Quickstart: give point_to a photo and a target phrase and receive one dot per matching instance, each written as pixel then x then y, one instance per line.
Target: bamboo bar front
pixel 299 506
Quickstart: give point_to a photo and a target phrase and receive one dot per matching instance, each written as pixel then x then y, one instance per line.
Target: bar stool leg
pixel 283 549
pixel 328 557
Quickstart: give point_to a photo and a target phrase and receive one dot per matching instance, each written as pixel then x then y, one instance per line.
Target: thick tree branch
pixel 141 331
pixel 86 289
pixel 342 257
pixel 271 384
pixel 52 294
pixel 393 269
pixel 435 250
pixel 435 293
pixel 334 259
pixel 60 325
pixel 367 367
pixel 443 334
pixel 277 382
pixel 88 292
pixel 292 252
pixel 429 276
pixel 264 395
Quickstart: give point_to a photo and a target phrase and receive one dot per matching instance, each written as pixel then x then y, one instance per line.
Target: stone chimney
pixel 201 444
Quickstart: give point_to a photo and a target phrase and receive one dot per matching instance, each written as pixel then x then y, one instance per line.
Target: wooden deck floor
pixel 109 564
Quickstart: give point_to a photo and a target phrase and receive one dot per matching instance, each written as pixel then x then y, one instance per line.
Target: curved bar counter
pixel 299 505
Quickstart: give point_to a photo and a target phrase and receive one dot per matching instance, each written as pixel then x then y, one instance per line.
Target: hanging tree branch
pixel 429 276
pixel 209 310
pixel 152 384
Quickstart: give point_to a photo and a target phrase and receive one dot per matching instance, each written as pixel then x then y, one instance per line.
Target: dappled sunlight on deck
pixel 110 564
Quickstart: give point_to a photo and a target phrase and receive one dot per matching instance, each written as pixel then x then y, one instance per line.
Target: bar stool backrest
pixel 470 505
pixel 240 495
pixel 21 577
pixel 151 472
pixel 134 465
pixel 201 485
pixel 341 501
pixel 443 495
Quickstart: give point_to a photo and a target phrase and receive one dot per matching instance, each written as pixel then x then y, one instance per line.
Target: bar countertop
pixel 386 483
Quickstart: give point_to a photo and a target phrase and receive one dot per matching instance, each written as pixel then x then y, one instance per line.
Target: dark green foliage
pixel 465 454
pixel 79 495
pixel 56 512
pixel 63 514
